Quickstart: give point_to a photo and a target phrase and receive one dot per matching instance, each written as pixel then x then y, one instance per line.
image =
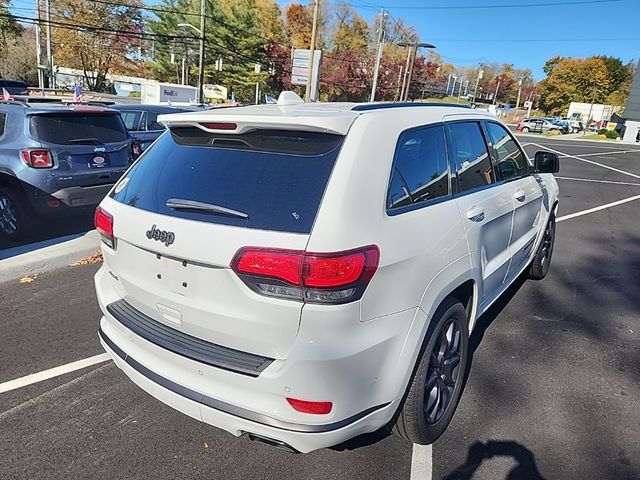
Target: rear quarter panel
pixel 414 246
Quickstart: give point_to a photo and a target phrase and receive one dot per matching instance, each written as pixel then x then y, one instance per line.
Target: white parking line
pixel 598 181
pixel 597 209
pixel 607 153
pixel 53 372
pixel 422 462
pixel 588 161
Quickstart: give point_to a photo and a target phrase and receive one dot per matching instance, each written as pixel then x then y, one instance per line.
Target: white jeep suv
pixel 306 273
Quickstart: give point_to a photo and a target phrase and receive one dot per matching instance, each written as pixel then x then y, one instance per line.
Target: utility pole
pixel 201 66
pixel 314 32
pixel 52 83
pixel 184 66
pixel 413 50
pixel 404 77
pixel 460 89
pixel 397 97
pixel 39 48
pixel 448 84
pixel 383 17
pixel 478 78
pixel 453 86
pixel 519 92
pixel 495 96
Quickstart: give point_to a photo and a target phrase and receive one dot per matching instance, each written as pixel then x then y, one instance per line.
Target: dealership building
pixel 632 110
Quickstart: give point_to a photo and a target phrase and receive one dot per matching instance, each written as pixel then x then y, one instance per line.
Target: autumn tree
pixel 574 80
pixel 94 37
pixel 9 27
pixel 19 60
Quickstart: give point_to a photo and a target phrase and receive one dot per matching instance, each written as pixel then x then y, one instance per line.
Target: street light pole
pixel 200 32
pixel 411 59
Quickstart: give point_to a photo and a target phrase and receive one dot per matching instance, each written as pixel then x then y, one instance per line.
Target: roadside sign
pixel 300 65
pixel 528 104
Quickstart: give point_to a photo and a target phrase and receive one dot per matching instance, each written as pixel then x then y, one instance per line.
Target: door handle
pixel 519 195
pixel 475 214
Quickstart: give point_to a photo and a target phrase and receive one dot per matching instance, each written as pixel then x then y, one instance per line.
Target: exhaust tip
pixel 255 437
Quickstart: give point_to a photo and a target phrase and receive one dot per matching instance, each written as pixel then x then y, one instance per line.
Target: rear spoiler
pixel 228 123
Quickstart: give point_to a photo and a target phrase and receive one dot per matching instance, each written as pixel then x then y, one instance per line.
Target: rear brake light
pixel 37 158
pixel 220 126
pixel 338 277
pixel 103 221
pixel 315 408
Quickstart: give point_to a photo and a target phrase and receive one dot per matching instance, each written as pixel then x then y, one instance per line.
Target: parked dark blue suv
pixel 142 120
pixel 55 160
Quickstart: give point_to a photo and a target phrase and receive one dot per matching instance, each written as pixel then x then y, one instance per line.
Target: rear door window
pixel 71 128
pixel 470 155
pixel 274 177
pixel 3 120
pixel 419 171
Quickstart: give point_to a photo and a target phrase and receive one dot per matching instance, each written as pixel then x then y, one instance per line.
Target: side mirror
pixel 546 162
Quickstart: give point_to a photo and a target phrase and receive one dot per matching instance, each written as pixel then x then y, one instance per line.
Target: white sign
pixel 217 92
pixel 528 104
pixel 300 69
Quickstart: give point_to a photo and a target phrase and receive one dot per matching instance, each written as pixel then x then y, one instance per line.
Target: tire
pixel 541 262
pixel 525 129
pixel 420 418
pixel 14 215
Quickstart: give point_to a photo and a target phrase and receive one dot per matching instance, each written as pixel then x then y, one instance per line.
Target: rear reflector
pixel 103 221
pixel 220 126
pixel 314 408
pixel 338 277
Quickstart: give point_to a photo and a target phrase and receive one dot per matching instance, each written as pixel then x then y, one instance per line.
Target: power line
pixel 489 6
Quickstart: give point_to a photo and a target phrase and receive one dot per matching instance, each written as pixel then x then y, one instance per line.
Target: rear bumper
pixel 70 198
pixel 358 369
pixel 82 196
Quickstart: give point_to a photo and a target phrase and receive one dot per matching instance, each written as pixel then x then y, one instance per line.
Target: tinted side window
pixel 419 171
pixel 3 119
pixel 470 155
pixel 512 162
pixel 152 121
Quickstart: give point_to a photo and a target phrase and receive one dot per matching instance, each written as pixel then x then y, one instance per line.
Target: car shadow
pixel 481 452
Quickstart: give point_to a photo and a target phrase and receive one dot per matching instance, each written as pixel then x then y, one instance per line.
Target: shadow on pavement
pixel 49 232
pixel 480 452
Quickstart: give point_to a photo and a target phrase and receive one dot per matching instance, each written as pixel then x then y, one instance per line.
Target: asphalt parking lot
pixel 553 391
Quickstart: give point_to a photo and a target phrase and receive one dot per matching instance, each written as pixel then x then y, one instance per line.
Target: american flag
pixel 77 95
pixel 6 96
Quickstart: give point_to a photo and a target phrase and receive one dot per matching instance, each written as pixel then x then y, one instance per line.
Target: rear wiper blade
pixel 181 204
pixel 93 141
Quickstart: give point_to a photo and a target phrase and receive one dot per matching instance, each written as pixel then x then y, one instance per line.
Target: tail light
pixel 103 221
pixel 37 158
pixel 333 278
pixel 136 150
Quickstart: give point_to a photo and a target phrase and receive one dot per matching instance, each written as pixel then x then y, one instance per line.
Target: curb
pixel 47 256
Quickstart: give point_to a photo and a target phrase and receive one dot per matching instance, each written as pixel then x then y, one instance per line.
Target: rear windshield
pixel 71 128
pixel 275 178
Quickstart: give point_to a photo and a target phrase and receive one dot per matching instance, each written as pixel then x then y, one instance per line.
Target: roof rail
pixel 365 107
